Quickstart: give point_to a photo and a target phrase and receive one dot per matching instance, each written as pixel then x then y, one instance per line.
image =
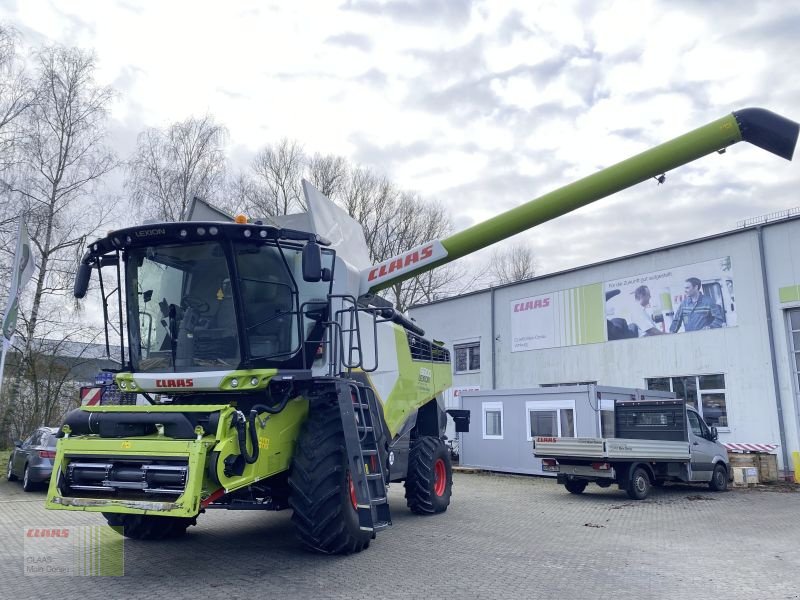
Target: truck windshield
pixel 180 308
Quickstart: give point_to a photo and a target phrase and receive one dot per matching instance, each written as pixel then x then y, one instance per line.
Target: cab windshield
pixel 181 313
pixel 216 305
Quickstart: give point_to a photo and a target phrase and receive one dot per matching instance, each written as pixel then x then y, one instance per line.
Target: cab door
pixel 703 449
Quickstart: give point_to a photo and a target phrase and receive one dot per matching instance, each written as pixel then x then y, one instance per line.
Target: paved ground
pixel 503 537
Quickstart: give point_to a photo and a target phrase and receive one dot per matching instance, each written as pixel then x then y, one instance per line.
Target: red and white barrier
pixel 737 447
pixel 90 396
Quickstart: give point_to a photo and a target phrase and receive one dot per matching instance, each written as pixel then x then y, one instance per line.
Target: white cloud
pixel 495 96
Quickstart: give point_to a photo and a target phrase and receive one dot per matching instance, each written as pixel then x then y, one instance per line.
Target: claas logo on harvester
pixel 401 262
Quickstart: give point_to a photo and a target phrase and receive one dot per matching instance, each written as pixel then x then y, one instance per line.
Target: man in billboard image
pixel 697 311
pixel 640 316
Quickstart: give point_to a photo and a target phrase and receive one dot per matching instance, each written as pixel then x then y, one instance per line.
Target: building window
pixel 704 393
pixel 468 357
pixel 555 418
pixel 493 420
pixel 794 334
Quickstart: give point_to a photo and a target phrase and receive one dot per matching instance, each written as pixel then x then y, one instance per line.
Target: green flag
pixel 22 273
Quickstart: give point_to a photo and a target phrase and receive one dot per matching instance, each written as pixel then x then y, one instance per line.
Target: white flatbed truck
pixel 654 442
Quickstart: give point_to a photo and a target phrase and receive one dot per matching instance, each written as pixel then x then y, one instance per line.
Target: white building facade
pixel 715 320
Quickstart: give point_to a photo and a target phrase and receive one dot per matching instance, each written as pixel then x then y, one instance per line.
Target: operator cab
pixel 216 296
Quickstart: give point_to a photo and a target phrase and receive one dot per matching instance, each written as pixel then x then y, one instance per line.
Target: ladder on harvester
pixel 366 453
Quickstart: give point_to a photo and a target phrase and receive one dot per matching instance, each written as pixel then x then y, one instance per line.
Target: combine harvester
pixel 278 379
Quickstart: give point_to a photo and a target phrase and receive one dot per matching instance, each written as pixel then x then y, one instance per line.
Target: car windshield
pixel 180 307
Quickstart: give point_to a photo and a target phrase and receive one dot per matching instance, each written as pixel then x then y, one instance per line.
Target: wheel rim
pixel 720 478
pixel 641 485
pixel 8 470
pixel 25 477
pixel 440 477
pixel 352 489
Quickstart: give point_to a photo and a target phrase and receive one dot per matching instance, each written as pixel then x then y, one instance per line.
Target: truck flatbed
pixel 611 449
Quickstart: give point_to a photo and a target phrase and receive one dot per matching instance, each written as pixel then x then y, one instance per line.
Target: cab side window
pixel 694 424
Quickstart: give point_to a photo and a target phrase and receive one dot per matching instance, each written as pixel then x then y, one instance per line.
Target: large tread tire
pixel 324 516
pixel 429 483
pixel 719 479
pixel 575 487
pixel 10 471
pixel 148 527
pixel 639 484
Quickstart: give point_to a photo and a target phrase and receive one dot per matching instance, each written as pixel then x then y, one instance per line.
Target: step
pixel 378 500
pixel 369 453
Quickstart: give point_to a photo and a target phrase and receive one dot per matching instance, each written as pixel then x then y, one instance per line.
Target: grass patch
pixel 4 456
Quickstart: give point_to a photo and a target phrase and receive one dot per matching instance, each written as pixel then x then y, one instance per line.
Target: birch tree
pixel 57 185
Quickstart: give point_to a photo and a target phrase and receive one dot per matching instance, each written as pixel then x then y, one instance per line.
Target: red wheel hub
pixel 352 489
pixel 440 477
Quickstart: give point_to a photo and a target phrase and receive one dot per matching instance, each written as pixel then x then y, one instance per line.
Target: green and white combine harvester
pixel 278 378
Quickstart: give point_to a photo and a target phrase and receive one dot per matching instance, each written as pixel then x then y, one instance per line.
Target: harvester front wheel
pixel 430 476
pixel 322 496
pixel 147 527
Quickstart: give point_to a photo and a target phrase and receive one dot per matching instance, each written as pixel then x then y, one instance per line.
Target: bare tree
pixel 16 95
pixel 241 193
pixel 56 185
pixel 513 263
pixel 277 172
pixel 328 174
pixel 372 201
pixel 172 166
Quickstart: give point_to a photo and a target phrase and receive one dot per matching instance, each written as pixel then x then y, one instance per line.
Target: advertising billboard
pixel 680 299
pixel 687 298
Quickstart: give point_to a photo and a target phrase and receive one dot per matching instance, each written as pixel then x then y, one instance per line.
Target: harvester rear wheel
pixel 430 476
pixel 325 516
pixel 147 527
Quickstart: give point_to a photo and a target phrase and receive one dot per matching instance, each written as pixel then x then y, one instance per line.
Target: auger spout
pixel 760 127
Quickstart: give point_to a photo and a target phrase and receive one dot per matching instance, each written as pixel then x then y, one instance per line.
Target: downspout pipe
pixel 494 353
pixel 772 355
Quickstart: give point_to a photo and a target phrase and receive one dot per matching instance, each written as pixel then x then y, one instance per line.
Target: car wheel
pixel 27 484
pixel 719 479
pixel 10 470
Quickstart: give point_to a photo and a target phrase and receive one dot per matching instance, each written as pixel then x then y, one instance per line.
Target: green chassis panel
pixel 276 435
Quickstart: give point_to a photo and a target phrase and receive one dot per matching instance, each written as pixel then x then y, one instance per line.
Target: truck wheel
pixel 321 492
pixel 430 476
pixel 719 479
pixel 148 527
pixel 575 487
pixel 10 471
pixel 639 484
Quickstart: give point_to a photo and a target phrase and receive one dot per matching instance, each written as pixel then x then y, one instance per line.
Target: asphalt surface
pixel 503 537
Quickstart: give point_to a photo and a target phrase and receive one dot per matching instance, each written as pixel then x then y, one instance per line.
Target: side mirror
pixel 714 433
pixel 17 443
pixel 312 262
pixel 82 280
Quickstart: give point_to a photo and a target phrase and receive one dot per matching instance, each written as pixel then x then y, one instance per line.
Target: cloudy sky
pixel 481 105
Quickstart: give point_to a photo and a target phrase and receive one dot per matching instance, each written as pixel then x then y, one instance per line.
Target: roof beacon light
pixel 240 219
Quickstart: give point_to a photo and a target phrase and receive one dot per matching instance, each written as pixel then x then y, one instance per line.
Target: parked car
pixel 32 459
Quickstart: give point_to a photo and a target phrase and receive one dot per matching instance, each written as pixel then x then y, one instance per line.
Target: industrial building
pixel 715 320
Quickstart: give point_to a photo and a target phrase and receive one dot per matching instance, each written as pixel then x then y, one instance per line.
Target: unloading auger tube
pixel 758 126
